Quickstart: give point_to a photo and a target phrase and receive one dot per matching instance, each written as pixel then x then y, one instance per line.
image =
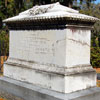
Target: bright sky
pixel 97 1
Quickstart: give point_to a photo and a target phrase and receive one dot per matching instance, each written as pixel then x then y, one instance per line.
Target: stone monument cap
pixel 49 12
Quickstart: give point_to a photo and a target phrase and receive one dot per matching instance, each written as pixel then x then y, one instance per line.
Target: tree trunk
pixel 5 3
pixel 68 3
pixel 47 1
pixel 36 2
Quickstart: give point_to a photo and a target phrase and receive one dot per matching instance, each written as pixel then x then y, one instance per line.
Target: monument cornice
pixel 52 12
pixel 58 23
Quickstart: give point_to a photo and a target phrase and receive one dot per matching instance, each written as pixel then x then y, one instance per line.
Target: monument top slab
pixel 50 11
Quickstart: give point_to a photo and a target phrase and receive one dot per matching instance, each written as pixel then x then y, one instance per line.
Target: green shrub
pixel 95 56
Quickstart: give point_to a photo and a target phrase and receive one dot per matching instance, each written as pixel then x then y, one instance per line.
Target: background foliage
pixel 9 8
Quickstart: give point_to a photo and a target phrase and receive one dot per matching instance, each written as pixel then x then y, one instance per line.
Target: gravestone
pixel 49 56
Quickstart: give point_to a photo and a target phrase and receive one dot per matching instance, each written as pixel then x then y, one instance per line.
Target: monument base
pixel 32 92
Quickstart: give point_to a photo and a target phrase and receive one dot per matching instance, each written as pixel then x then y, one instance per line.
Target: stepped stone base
pixel 32 92
pixel 61 79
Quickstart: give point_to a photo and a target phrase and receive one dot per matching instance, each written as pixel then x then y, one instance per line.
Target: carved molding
pixel 40 10
pixel 50 68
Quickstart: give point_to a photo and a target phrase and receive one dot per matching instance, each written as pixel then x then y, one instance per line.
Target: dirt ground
pixel 97 70
pixel 7 96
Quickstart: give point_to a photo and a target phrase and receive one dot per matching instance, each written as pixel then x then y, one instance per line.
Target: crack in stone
pixel 79 42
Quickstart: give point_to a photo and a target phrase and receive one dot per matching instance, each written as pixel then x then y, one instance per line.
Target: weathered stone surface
pixel 53 81
pixel 54 59
pixel 32 92
pixel 69 47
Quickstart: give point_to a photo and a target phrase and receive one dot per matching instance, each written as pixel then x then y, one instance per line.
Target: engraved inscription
pixel 41 44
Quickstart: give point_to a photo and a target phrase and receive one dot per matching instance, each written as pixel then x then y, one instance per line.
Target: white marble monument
pixel 50 48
